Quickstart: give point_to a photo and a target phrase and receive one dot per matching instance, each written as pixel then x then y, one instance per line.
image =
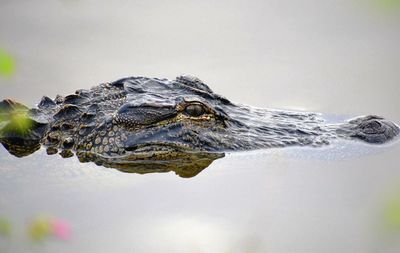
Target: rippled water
pixel 336 57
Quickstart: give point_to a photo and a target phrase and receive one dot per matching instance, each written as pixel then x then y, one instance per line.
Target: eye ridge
pixel 195 110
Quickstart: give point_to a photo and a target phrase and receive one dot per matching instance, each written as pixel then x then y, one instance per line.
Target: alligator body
pixel 139 120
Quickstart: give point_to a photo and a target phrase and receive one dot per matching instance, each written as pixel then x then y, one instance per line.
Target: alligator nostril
pixel 373 130
pixel 371 126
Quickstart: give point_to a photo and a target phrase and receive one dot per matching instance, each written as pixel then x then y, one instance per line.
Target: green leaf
pixel 7 64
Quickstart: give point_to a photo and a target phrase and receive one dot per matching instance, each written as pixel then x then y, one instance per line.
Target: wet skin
pixel 140 124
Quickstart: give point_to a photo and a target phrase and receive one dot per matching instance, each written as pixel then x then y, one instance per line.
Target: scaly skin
pixel 139 119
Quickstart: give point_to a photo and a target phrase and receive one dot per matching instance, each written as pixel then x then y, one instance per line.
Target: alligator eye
pixel 195 110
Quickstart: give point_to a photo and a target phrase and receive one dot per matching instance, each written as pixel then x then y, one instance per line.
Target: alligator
pixel 141 124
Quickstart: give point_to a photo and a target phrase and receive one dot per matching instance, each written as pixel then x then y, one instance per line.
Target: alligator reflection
pixel 184 164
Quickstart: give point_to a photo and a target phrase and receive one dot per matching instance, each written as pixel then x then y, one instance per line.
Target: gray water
pixel 335 57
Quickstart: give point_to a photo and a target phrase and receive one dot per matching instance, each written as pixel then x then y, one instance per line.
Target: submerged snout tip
pixel 374 129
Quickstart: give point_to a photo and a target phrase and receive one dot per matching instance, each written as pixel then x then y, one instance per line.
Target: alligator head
pixel 137 121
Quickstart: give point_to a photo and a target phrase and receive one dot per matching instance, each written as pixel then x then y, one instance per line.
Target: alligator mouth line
pixel 151 153
pixel 157 147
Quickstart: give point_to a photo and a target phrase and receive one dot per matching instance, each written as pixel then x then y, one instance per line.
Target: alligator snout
pixel 373 129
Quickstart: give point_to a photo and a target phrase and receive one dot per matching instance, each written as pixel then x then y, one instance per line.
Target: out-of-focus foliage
pixel 7 64
pixel 18 121
pixel 392 213
pixel 39 229
pixel 5 227
pixel 42 228
pixel 21 123
pixel 388 5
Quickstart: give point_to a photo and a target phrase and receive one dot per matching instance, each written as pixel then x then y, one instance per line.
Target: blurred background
pixel 335 56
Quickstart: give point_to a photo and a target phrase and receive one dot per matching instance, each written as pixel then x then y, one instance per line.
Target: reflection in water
pixel 186 164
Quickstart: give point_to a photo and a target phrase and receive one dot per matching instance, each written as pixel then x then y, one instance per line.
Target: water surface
pixel 337 57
